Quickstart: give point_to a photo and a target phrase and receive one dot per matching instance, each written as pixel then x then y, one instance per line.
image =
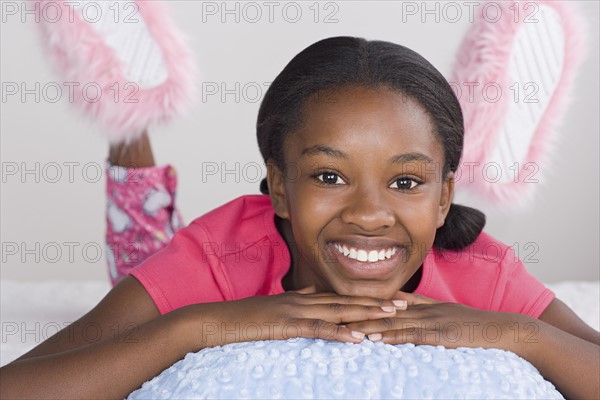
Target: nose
pixel 368 210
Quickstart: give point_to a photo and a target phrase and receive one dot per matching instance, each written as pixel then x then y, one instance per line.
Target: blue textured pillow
pixel 306 368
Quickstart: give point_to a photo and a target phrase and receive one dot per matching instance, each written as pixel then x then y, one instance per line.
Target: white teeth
pixel 352 254
pixel 362 255
pixel 365 255
pixel 373 255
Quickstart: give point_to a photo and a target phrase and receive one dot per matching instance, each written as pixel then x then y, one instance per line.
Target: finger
pixel 312 292
pixel 414 335
pixel 414 298
pixel 320 329
pixel 346 313
pixel 408 319
pixel 387 305
pixel 320 294
pixel 307 290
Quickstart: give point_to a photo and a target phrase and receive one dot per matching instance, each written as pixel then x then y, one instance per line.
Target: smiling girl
pixel 357 239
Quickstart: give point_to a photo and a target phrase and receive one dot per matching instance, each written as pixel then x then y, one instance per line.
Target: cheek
pixel 306 202
pixel 420 220
pixel 308 214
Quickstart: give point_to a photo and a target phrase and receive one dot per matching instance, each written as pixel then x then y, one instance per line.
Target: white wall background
pixel 563 223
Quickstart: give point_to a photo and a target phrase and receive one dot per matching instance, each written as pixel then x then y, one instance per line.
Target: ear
pixel 446 197
pixel 276 180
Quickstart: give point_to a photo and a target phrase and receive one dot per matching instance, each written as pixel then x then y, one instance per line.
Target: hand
pixel 302 313
pixel 431 322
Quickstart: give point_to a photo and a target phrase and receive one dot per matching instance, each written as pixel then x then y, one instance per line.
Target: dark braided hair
pixel 349 61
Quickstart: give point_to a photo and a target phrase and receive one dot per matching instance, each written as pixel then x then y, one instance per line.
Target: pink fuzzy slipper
pixel 514 73
pixel 128 63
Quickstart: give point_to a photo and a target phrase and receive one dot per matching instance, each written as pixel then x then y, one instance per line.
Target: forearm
pixel 112 368
pixel 570 363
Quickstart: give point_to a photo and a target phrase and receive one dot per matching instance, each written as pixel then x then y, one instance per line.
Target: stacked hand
pixel 426 321
pixel 408 318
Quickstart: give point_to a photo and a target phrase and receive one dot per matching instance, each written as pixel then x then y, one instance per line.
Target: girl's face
pixel 363 192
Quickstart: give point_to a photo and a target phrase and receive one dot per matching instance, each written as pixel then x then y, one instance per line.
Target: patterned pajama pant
pixel 141 217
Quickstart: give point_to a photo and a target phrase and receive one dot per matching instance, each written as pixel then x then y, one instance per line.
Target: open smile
pixel 366 262
pixel 365 255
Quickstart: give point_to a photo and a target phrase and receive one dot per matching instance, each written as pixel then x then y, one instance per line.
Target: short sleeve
pixel 184 272
pixel 518 291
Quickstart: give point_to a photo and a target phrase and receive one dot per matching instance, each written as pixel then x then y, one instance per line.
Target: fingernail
pixel 375 337
pixel 400 304
pixel 388 308
pixel 358 335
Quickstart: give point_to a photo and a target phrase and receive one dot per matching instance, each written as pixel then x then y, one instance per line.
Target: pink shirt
pixel 235 251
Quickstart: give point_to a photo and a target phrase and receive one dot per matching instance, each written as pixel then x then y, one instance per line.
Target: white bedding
pixel 30 312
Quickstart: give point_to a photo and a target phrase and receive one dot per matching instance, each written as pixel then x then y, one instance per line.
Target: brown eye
pixel 329 178
pixel 405 183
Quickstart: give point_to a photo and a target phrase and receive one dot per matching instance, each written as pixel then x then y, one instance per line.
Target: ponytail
pixel 264 186
pixel 463 225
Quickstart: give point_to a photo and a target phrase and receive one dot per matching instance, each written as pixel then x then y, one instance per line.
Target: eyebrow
pixel 320 149
pixel 409 157
pixel 397 159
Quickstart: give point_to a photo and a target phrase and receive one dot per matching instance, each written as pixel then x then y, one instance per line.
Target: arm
pixel 111 368
pixel 115 366
pixel 126 306
pixel 558 314
pixel 68 364
pixel 566 352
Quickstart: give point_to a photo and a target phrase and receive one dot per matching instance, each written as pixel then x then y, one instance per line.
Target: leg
pixel 141 217
pixel 150 56
pixel 136 154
